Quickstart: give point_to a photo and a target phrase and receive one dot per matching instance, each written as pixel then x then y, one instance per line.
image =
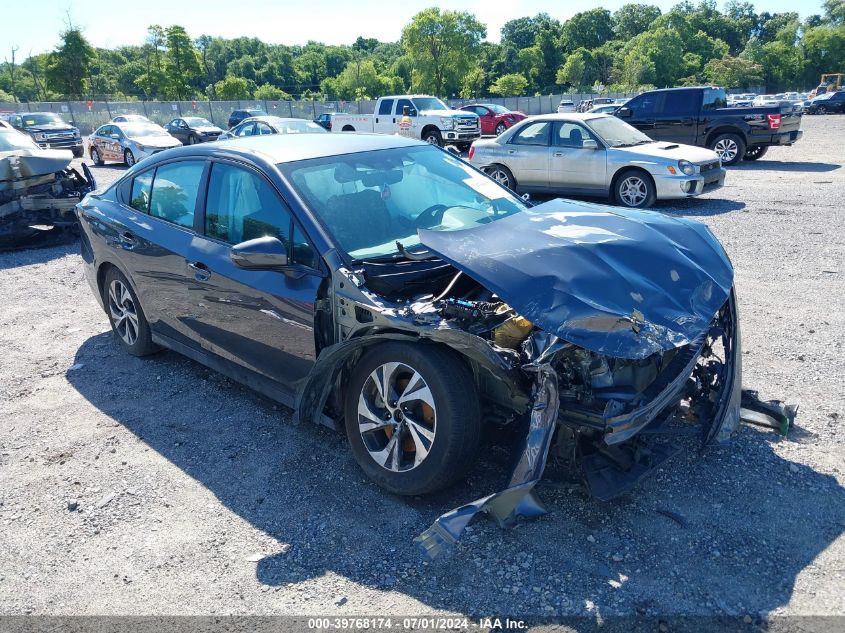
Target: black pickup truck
pixel 701 116
pixel 49 130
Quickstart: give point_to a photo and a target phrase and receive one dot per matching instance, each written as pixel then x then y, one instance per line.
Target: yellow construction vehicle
pixel 828 83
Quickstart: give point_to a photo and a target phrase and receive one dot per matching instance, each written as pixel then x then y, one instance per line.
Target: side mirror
pixel 262 253
pixel 624 112
pixel 589 143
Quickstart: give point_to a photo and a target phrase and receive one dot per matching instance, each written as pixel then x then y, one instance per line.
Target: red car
pixel 494 118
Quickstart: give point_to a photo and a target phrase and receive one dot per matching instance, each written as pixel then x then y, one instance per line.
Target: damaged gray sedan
pixel 381 285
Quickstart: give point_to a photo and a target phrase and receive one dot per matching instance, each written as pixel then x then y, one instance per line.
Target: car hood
pixel 209 128
pixel 618 282
pixel 671 151
pixel 445 113
pixel 162 140
pixel 26 163
pixel 50 127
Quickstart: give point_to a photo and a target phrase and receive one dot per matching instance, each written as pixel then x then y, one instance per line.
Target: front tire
pixel 412 417
pixel 129 158
pixel 95 156
pixel 192 140
pixel 635 189
pixel 126 316
pixel 729 147
pixel 502 175
pixel 433 137
pixel 756 153
pixel 78 152
pixel 500 129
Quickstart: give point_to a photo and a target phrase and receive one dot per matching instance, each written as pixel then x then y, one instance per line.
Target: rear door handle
pixel 511 151
pixel 559 154
pixel 201 271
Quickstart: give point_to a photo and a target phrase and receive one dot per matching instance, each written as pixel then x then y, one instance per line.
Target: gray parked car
pixel 128 142
pixel 596 154
pixel 264 125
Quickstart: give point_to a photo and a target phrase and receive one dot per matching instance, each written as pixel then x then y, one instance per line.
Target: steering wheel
pixel 431 216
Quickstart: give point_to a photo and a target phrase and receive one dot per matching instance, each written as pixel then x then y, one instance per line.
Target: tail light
pixel 774 121
pixel 471 151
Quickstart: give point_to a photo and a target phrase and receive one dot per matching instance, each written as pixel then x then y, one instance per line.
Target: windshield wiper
pixel 632 144
pixel 414 257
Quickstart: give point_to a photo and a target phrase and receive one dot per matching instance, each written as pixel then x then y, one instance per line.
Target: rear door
pixel 571 165
pixel 261 320
pixel 154 241
pixel 383 121
pixel 675 116
pixel 527 154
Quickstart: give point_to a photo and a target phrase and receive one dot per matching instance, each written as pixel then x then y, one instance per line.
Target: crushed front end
pixel 38 193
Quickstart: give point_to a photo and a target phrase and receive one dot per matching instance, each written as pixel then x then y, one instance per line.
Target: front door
pixel 527 155
pixel 262 320
pixel 573 166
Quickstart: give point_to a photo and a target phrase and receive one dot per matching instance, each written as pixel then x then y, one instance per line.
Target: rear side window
pixel 533 134
pixel 174 192
pixel 141 187
pixel 386 106
pixel 714 98
pixel 241 206
pixel 683 102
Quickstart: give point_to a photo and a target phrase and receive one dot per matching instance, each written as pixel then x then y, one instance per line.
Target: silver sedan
pixel 596 155
pixel 128 142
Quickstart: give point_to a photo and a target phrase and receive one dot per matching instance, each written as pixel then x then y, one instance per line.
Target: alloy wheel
pixel 500 129
pixel 432 139
pixel 397 417
pixel 95 156
pixel 500 176
pixel 633 191
pixel 727 149
pixel 123 312
pixel 130 158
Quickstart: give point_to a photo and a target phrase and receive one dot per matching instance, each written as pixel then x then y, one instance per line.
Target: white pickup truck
pixel 431 120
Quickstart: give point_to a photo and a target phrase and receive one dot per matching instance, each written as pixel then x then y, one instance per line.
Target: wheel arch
pixel 618 174
pixel 347 128
pixel 726 129
pixel 428 128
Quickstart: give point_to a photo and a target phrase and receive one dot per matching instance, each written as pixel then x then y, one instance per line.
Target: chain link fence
pixel 89 115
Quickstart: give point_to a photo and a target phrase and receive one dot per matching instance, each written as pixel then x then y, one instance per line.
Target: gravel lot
pixel 155 486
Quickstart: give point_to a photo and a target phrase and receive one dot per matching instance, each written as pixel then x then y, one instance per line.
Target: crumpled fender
pixel 518 498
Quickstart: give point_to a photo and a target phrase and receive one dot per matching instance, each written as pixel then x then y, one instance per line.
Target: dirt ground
pixel 154 486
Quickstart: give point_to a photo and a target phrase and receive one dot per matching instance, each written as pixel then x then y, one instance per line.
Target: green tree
pixel 267 92
pixel 834 12
pixel 509 85
pixel 441 48
pixel 633 19
pixel 359 80
pixel 474 82
pixel 68 67
pixel 824 52
pixel 523 32
pixel 579 71
pixel 734 72
pixel 588 29
pixel 152 79
pixel 531 64
pixel 183 64
pixel 232 88
pixel 656 57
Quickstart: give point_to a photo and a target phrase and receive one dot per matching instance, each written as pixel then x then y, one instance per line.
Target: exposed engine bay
pixel 38 193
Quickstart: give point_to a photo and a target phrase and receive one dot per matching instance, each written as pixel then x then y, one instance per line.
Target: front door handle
pixel 201 271
pixel 511 151
pixel 127 240
pixel 558 153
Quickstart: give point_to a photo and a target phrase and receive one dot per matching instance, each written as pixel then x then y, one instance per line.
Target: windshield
pixel 133 130
pixel 495 107
pixel 12 140
pixel 42 119
pixel 617 133
pixel 429 103
pixel 198 121
pixel 370 200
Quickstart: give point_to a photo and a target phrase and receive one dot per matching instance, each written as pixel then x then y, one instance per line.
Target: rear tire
pixel 126 316
pixel 729 147
pixel 502 175
pixel 424 435
pixel 635 189
pixel 756 153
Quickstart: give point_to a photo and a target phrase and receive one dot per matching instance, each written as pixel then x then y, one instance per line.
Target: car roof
pixel 570 116
pixel 271 118
pixel 286 148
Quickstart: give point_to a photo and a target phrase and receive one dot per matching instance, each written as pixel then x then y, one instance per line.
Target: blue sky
pixel 118 22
